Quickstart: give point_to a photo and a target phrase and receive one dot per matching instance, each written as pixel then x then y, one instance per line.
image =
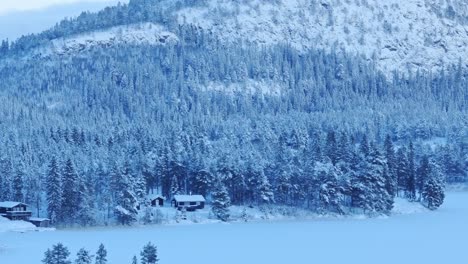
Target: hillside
pixel 165 96
pixel 396 35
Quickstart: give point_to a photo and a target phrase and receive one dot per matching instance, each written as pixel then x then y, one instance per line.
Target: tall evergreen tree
pixel 402 170
pixel 54 192
pixel 18 184
pixel 149 254
pixel 411 182
pixel 58 255
pixel 101 255
pixel 71 192
pixel 83 257
pixel 221 202
pixel 433 193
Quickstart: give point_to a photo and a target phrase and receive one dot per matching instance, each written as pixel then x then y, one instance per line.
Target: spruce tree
pixel 221 202
pixel 101 255
pixel 423 174
pixel 411 180
pixel 402 170
pixel 126 200
pixel 54 192
pixel 433 193
pixel 47 257
pixel 6 172
pixel 58 255
pixel 18 184
pixel 391 160
pixel 329 191
pixel 331 148
pixel 175 188
pixel 264 192
pixel 134 260
pixel 71 192
pixel 83 257
pixel 149 255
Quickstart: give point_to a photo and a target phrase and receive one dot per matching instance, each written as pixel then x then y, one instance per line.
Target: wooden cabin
pixel 156 200
pixel 15 210
pixel 188 202
pixel 39 222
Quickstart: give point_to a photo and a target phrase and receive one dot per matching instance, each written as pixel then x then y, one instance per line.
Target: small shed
pixel 188 202
pixel 14 210
pixel 156 200
pixel 40 222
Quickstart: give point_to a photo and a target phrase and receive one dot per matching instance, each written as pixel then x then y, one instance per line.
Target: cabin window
pixel 193 203
pixel 181 203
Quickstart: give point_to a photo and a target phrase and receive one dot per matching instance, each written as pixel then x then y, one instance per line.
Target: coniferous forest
pixel 85 137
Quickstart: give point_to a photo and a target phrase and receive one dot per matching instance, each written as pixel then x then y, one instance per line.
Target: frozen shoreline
pixel 414 236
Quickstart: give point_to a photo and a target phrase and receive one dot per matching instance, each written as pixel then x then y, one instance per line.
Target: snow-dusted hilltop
pixel 398 34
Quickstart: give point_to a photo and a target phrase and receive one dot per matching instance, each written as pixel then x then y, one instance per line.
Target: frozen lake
pixel 431 237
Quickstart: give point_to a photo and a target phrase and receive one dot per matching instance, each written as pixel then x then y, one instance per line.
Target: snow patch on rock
pixel 135 34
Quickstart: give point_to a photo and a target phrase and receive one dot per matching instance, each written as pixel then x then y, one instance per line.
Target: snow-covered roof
pixel 38 219
pixel 189 198
pixel 9 204
pixel 155 196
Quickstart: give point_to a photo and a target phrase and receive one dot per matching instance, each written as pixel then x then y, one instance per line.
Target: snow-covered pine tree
pixel 402 170
pixel 384 186
pixel 175 188
pixel 18 183
pixel 423 174
pixel 390 157
pixel 54 192
pixel 83 257
pixel 71 192
pixel 283 188
pixel 264 192
pixel 330 193
pixel 149 254
pixel 47 257
pixel 368 186
pixel 126 199
pixel 411 181
pixel 6 172
pixel 433 193
pixel 58 255
pixel 202 182
pixel 221 202
pixel 101 255
pixel 134 260
pixel 84 208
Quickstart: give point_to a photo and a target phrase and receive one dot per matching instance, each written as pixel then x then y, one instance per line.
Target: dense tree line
pixel 85 137
pixel 59 254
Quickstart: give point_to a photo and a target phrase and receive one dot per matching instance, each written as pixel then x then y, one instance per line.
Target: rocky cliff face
pixel 397 34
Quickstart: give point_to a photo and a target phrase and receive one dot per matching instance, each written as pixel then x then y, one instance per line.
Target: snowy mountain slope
pixel 398 34
pixel 144 33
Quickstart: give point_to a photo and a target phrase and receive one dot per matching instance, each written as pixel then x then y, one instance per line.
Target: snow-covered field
pixel 419 237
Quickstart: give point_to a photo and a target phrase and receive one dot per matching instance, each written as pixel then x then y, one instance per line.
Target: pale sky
pixel 21 17
pixel 7 6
